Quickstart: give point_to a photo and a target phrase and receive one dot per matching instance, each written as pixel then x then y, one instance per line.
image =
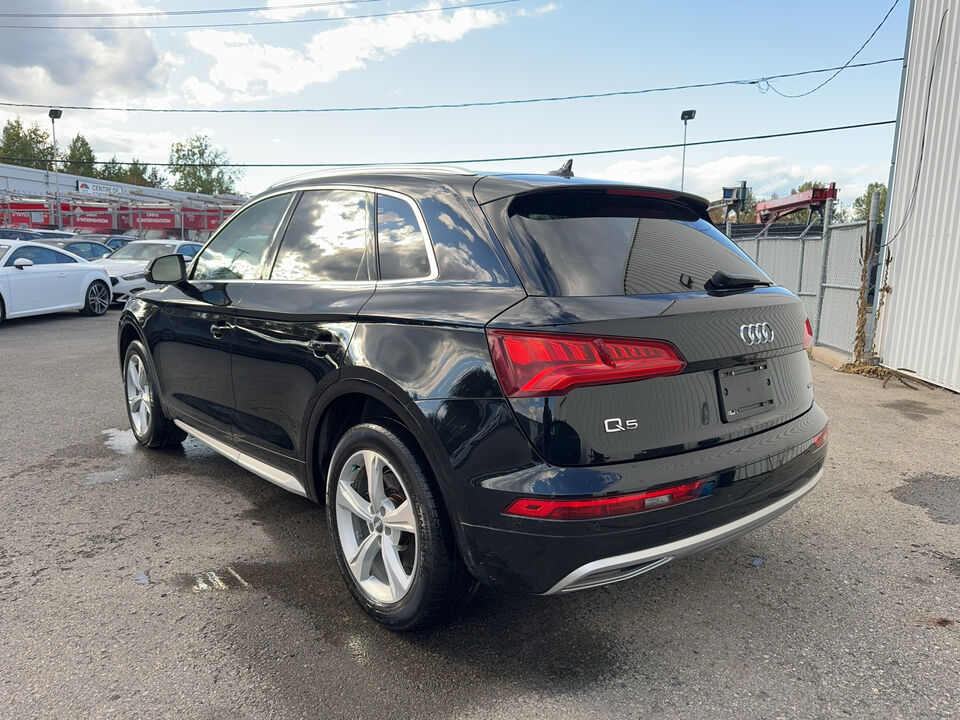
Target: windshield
pixel 143 251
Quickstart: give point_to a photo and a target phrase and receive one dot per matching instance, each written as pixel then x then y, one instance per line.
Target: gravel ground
pixel 176 585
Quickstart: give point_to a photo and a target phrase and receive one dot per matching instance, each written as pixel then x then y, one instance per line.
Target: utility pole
pixel 56 114
pixel 686 116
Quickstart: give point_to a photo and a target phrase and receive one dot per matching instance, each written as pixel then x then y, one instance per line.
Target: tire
pixel 96 301
pixel 150 426
pixel 406 571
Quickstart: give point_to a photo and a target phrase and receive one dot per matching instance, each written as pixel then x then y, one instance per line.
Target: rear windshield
pixel 143 251
pixel 606 242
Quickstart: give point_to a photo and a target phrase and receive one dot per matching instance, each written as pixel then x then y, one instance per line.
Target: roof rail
pixel 375 169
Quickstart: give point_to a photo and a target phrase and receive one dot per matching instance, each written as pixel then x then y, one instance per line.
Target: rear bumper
pixel 623 567
pixel 755 480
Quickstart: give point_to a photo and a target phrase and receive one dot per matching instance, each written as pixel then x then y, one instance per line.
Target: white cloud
pixel 201 93
pixel 249 70
pixel 282 10
pixel 766 174
pixel 80 66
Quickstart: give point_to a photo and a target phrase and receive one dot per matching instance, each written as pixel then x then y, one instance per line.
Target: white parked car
pixel 37 279
pixel 127 264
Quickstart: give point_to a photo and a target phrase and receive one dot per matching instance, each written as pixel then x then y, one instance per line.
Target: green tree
pixel 79 159
pixel 806 185
pixel 861 206
pixel 113 170
pixel 197 166
pixel 156 179
pixel 25 143
pixel 136 173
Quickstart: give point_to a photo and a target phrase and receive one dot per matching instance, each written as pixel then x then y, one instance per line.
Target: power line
pixel 462 161
pixel 208 11
pixel 445 106
pixel 257 23
pixel 842 67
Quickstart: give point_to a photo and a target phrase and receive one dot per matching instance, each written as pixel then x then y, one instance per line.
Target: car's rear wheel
pixel 150 426
pixel 97 299
pixel 393 541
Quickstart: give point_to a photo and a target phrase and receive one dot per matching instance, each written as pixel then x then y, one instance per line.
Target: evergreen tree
pixel 25 146
pixel 79 159
pixel 113 170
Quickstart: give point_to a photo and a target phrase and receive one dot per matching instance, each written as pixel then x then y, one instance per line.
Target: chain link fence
pixel 792 256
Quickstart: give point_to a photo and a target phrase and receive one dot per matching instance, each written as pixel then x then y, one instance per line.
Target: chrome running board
pixel 257 467
pixel 622 567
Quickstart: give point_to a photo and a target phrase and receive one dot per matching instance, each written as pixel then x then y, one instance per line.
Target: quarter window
pixel 237 252
pixel 400 245
pixel 328 238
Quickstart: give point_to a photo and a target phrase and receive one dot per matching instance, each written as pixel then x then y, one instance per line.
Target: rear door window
pixel 328 239
pixel 612 242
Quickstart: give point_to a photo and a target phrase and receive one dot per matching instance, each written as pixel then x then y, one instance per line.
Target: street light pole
pixel 55 114
pixel 686 116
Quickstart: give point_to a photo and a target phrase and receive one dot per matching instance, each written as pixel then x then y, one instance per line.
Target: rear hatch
pixel 646 332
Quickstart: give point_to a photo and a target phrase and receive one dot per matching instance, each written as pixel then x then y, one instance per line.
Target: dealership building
pixel 32 198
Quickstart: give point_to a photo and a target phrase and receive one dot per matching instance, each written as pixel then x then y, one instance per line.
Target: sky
pixel 324 56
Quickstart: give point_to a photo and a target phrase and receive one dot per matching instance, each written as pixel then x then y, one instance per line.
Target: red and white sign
pixel 154 219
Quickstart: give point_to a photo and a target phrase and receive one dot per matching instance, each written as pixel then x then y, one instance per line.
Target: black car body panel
pixel 278 368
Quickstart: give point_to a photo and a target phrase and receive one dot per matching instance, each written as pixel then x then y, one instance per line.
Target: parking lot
pixel 174 584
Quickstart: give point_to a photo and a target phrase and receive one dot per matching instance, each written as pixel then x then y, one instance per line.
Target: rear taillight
pixel 821 437
pixel 807 334
pixel 536 364
pixel 595 508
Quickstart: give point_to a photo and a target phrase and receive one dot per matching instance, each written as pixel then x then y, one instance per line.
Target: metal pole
pixel 683 163
pixel 825 248
pixel 872 223
pixel 56 174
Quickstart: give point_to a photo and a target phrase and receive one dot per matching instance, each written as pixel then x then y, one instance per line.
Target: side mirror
pixel 166 270
pixel 21 263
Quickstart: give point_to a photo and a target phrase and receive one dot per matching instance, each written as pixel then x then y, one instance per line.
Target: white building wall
pixel 920 324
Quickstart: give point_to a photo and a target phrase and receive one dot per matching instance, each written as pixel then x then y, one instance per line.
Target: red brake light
pixel 807 334
pixel 821 436
pixel 594 508
pixel 537 364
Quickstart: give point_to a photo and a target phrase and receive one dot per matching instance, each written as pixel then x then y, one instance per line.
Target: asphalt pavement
pixel 173 584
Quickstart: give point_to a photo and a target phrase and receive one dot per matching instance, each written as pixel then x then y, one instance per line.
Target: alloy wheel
pixel 98 298
pixel 377 527
pixel 139 395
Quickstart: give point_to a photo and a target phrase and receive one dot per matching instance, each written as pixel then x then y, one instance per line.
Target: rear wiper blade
pixel 723 280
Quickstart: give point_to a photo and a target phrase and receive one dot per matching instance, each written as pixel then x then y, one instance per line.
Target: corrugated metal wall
pixel 920 325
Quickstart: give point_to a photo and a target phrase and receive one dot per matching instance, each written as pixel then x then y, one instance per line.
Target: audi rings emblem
pixel 756 333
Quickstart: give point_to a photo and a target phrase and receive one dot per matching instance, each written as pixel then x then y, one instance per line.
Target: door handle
pixel 218 330
pixel 61 274
pixel 322 348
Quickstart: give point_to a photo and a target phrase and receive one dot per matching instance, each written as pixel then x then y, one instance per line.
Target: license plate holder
pixel 745 390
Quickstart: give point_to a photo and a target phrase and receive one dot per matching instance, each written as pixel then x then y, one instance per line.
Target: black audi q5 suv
pixel 534 381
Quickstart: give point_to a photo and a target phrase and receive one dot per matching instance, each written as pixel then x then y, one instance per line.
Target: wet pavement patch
pixel 939 495
pixel 120 441
pixel 225 578
pixel 942 622
pixel 913 409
